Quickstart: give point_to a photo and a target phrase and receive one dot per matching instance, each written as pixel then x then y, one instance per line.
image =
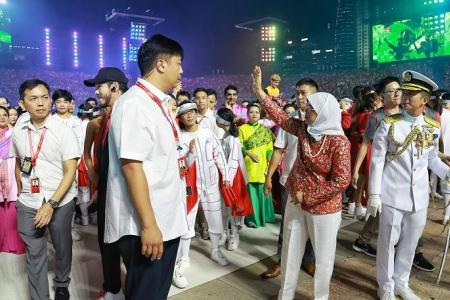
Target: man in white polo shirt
pixel 146 208
pixel 47 152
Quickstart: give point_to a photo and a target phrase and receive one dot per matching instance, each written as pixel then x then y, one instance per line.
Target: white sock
pixel 84 209
pixel 215 238
pixel 433 183
pixel 233 226
pixel 185 245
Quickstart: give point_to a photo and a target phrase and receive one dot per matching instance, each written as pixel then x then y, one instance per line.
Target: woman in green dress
pixel 257 147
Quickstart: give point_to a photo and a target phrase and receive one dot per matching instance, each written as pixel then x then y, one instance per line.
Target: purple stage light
pixel 100 51
pixel 124 53
pixel 76 62
pixel 48 60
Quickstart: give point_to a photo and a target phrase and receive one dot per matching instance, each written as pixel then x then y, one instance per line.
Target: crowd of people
pixel 158 165
pixel 338 82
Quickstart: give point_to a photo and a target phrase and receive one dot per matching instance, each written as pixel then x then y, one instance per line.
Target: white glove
pixel 373 205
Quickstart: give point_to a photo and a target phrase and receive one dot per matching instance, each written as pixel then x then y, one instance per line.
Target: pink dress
pixel 10 240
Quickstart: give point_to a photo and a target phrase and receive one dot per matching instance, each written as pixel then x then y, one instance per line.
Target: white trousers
pixel 211 204
pixel 401 228
pixel 298 227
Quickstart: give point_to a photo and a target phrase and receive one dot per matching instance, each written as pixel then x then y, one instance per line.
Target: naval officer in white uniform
pixel 404 147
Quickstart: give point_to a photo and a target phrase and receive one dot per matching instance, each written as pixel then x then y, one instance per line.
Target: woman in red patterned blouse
pixel 320 175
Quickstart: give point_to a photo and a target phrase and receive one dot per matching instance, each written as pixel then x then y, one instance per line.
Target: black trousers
pixel 146 279
pixel 110 253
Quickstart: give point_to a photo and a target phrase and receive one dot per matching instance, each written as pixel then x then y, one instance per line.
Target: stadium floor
pixel 353 277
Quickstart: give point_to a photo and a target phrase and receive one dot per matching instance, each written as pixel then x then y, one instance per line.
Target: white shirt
pixel 76 124
pixel 233 152
pixel 209 121
pixel 139 131
pixel 209 157
pixel 59 145
pixel 288 142
pixel 403 182
pixel 445 130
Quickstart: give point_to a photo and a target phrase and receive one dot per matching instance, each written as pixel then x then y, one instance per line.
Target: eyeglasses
pixel 190 112
pixel 398 92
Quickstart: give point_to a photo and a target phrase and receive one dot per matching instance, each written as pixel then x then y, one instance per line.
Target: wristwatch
pixel 53 203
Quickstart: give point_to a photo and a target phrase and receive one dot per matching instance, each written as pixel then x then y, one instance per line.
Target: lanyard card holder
pixel 26 167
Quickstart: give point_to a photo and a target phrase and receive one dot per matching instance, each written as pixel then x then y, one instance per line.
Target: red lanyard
pixel 158 102
pixel 34 155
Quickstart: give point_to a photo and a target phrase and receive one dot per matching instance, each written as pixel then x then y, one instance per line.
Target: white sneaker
pixel 351 208
pixel 218 257
pixel 223 238
pixel 111 296
pixel 360 211
pixel 233 242
pixel 385 295
pixel 76 235
pixel 178 279
pixel 406 293
pixel 184 263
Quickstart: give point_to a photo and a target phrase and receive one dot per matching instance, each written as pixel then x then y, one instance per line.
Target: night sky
pixel 204 28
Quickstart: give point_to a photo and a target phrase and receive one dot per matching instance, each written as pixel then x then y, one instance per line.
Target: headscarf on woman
pixel 328 121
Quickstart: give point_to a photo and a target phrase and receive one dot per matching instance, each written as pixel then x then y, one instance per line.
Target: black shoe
pixel 421 263
pixel 62 293
pixel 365 248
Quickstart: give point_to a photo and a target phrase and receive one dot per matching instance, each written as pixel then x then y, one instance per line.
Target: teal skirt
pixel 263 210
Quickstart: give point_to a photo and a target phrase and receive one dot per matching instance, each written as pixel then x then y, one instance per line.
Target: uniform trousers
pixel 146 279
pixel 401 228
pixel 309 252
pixel 300 225
pixel 35 240
pixel 212 207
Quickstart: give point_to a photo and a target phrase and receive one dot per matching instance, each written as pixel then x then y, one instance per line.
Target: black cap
pixel 107 74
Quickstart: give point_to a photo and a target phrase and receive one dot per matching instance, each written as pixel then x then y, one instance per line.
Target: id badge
pixel 26 166
pixel 182 166
pixel 35 185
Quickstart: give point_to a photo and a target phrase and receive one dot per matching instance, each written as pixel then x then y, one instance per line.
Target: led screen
pixel 409 39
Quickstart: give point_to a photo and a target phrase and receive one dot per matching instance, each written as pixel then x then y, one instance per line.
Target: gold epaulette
pixel 393 118
pixel 433 122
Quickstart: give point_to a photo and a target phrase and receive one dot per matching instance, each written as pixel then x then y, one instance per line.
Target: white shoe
pixel 223 238
pixel 184 263
pixel 233 242
pixel 76 235
pixel 218 257
pixel 351 208
pixel 406 293
pixel 111 296
pixel 178 279
pixel 360 212
pixel 385 295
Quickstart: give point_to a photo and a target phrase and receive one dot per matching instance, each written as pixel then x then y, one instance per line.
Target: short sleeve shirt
pixel 288 142
pixel 139 131
pixel 59 144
